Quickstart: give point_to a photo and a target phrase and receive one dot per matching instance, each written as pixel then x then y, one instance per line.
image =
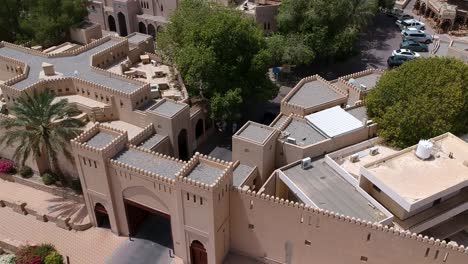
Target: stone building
pixel 149 16
pixel 446 14
pixel 279 200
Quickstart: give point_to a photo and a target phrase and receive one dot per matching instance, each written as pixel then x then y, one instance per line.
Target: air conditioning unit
pixel 374 151
pixel 291 140
pixel 351 81
pixel 306 163
pixel 354 158
pixel 363 87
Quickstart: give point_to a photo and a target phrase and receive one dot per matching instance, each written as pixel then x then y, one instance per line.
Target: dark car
pixel 414 46
pixel 404 17
pixel 395 61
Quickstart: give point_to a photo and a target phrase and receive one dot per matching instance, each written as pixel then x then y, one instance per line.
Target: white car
pixel 406 53
pixel 411 23
pixel 416 35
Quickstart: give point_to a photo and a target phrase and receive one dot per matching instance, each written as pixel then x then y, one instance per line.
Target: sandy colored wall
pixel 304 235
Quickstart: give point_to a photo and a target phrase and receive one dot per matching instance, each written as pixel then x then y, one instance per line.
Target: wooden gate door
pixel 198 253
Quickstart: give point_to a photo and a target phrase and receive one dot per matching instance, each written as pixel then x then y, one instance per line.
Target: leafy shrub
pixel 76 185
pixel 49 178
pixel 26 172
pixel 54 258
pixel 25 255
pixel 8 259
pixel 43 250
pixel 6 166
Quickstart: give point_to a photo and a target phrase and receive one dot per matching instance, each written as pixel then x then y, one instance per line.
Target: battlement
pixel 143 135
pixel 99 139
pixel 312 94
pixel 145 167
pixel 205 172
pixel 305 209
pixel 367 83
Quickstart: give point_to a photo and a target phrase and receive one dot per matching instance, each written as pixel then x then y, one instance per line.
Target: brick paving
pixel 43 202
pixel 92 246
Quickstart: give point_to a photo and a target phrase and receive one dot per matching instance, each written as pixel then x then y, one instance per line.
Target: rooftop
pixel 240 174
pixel 280 121
pixel 205 173
pixel 255 132
pixel 138 37
pixel 167 107
pixel 100 140
pixel 368 80
pixel 313 93
pixel 304 133
pixel 329 191
pixel 334 121
pixel 359 112
pixel 72 66
pixel 149 162
pixel 152 141
pixel 412 179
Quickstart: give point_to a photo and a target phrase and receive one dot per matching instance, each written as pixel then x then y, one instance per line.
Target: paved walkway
pixel 92 246
pixel 43 202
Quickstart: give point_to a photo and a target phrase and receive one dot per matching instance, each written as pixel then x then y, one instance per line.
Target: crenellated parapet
pixel 183 176
pixel 80 142
pixel 305 209
pixel 143 135
pixel 345 79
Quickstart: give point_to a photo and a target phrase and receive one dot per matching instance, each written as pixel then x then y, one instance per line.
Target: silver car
pixel 416 35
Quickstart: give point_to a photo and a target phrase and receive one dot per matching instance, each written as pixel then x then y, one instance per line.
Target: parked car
pixel 404 17
pixel 406 53
pixel 395 61
pixel 416 35
pixel 414 46
pixel 411 23
pixel 395 12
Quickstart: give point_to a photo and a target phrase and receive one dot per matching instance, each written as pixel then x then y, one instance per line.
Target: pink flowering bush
pixel 6 165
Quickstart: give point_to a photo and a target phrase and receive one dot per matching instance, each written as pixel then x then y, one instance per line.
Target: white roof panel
pixel 334 121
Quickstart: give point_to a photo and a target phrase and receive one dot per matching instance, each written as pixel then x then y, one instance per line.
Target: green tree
pixel 40 128
pixel 419 100
pixel 322 28
pixel 47 22
pixel 10 11
pixel 221 55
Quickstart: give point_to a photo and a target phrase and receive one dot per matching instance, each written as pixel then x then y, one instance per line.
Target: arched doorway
pixel 182 139
pixel 102 217
pixel 198 253
pixel 151 30
pixel 122 24
pixel 111 21
pixel 199 128
pixel 142 28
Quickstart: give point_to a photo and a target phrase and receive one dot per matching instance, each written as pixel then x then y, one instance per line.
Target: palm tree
pixel 41 128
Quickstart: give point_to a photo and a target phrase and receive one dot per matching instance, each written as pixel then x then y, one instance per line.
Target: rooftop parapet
pixel 167 107
pixel 205 172
pixel 312 94
pixel 256 133
pixel 368 78
pixel 99 139
pixel 305 209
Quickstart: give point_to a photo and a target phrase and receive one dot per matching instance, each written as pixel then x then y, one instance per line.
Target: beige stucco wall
pixel 332 239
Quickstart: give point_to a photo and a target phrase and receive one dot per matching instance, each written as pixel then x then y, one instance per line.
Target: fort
pixel 297 190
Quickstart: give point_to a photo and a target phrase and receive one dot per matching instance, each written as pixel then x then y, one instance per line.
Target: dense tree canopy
pixel 319 28
pixel 421 99
pixel 44 22
pixel 221 55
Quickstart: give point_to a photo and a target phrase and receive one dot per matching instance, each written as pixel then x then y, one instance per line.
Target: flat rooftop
pixel 414 179
pixel 100 140
pixel 81 100
pixel 334 121
pixel 240 174
pixel 359 113
pixel 255 132
pixel 146 161
pixel 152 141
pixel 138 37
pixel 131 129
pixel 167 108
pixel 314 93
pixel 369 80
pixel 329 191
pixel 205 173
pixel 304 133
pixel 72 66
